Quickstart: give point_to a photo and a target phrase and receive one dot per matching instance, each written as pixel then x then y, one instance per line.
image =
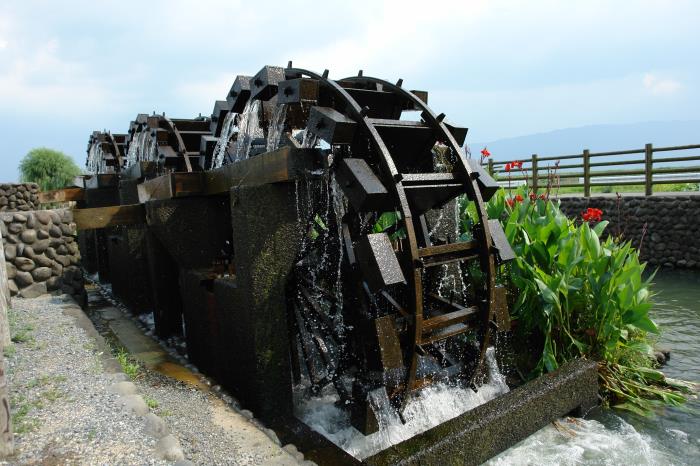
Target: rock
pixel 42 234
pixel 134 404
pixel 62 250
pixel 55 218
pixel 40 246
pixel 28 236
pixel 292 450
pixel 42 261
pixel 21 218
pixel 55 231
pixel 11 270
pixel 31 221
pixel 123 388
pixel 10 238
pixel 33 290
pixel 168 448
pixel 155 426
pixel 28 252
pixel 53 283
pixel 10 252
pixel 66 229
pixel 25 264
pixel 43 217
pixel 56 269
pixel 14 228
pixel 41 274
pixel 50 253
pixel 63 260
pixel 13 287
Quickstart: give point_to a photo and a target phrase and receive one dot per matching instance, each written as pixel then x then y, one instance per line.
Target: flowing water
pixel 610 437
pixel 432 406
pixel 605 438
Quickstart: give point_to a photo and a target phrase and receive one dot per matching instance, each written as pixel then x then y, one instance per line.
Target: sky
pixel 502 68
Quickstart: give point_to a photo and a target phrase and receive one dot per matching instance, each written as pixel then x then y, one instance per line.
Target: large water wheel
pixel 366 308
pixel 171 144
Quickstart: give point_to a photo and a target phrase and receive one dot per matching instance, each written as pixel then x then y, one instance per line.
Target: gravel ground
pixel 63 412
pixel 210 432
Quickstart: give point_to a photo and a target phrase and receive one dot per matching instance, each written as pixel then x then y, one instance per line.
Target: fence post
pixel 534 173
pixel 491 167
pixel 648 170
pixel 586 173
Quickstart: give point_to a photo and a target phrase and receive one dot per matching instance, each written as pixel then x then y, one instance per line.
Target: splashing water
pixel 310 140
pixel 142 149
pixel 96 162
pixel 248 129
pixel 227 130
pixel 276 127
pixel 431 406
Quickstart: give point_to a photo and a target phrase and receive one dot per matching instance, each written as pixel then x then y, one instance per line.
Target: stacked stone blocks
pixel 42 253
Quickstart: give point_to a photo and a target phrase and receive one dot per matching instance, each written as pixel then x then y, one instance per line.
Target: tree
pixel 50 169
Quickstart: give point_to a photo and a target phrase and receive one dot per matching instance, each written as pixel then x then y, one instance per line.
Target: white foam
pixel 582 441
pixel 431 406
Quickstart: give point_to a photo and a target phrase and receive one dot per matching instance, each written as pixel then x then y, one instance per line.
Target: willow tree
pixel 50 169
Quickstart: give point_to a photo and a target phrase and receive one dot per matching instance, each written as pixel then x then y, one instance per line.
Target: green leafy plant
pixel 129 367
pixel 575 295
pixel 49 168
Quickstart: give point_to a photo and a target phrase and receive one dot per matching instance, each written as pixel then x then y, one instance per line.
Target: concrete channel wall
pixel 665 226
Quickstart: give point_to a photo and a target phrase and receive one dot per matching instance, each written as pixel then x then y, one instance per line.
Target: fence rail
pixel 653 168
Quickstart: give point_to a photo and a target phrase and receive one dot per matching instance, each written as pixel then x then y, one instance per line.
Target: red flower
pixel 517 164
pixel 533 196
pixel 543 197
pixel 510 202
pixel 508 167
pixel 518 198
pixel 485 152
pixel 592 214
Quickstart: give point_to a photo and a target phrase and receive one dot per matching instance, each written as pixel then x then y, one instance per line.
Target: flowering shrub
pixel 574 295
pixel 592 215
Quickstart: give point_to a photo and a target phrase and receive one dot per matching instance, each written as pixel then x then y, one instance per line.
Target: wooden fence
pixel 587 169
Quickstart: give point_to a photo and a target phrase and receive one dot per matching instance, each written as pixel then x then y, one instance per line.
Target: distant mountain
pixel 597 138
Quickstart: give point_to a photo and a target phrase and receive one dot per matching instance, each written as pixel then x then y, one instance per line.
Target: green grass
pixel 152 403
pixel 19 332
pixel 659 188
pixel 130 367
pixel 10 350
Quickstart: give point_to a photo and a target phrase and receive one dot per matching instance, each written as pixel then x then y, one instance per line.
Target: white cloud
pixel 39 80
pixel 3 43
pixel 660 86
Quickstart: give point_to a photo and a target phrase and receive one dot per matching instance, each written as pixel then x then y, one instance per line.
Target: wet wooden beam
pixel 108 180
pixel 282 165
pixel 102 217
pixel 62 195
pixel 171 186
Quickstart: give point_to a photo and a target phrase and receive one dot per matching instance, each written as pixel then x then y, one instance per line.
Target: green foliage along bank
pixel 576 295
pixel 48 168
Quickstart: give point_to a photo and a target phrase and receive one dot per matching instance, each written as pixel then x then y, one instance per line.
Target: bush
pixel 579 296
pixel 49 168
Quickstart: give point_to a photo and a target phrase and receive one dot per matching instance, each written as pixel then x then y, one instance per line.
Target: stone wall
pixel 672 223
pixel 19 197
pixel 42 253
